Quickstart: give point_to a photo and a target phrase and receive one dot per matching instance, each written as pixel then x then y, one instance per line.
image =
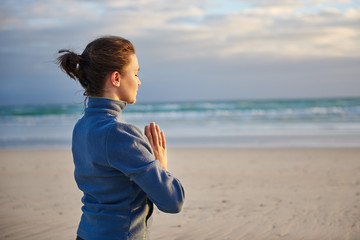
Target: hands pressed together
pixel 157 142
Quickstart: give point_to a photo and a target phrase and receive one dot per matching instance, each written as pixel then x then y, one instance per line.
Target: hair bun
pixel 72 55
pixel 69 62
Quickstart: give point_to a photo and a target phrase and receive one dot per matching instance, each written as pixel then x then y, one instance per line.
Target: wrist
pixel 164 167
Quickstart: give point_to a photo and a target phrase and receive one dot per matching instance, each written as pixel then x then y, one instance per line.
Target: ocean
pixel 332 122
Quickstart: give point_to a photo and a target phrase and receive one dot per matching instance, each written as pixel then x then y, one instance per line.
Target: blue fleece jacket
pixel 118 174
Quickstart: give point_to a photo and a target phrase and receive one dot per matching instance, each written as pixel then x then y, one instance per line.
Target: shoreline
pixel 288 193
pixel 252 140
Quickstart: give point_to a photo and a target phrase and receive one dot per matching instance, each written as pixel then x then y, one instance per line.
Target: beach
pixel 269 193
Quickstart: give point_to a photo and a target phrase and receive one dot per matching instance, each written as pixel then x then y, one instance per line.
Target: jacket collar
pixel 107 104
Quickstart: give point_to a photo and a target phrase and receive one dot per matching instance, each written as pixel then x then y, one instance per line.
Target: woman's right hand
pixel 157 142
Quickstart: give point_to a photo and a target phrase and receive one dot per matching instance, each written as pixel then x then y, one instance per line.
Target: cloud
pixel 279 29
pixel 201 37
pixel 268 27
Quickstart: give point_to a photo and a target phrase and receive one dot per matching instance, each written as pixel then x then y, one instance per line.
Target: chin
pixel 131 101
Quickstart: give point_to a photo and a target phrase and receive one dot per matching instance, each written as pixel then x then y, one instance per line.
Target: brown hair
pixel 100 57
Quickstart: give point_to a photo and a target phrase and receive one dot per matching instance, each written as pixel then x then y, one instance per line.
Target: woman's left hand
pixel 157 142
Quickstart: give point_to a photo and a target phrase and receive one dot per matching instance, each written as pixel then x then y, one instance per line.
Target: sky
pixel 187 50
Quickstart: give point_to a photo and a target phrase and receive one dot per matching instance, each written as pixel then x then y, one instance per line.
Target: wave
pixel 185 121
pixel 244 108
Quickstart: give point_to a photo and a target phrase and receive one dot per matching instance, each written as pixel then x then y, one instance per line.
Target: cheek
pixel 135 82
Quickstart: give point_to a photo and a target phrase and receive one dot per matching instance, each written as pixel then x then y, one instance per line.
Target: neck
pixel 110 96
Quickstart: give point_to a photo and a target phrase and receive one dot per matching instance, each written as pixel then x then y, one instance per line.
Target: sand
pixel 230 194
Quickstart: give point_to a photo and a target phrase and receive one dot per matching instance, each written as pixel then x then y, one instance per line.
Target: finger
pixel 148 135
pixel 154 133
pixel 163 140
pixel 159 135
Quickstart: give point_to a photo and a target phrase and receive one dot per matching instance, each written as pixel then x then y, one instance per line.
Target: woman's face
pixel 129 81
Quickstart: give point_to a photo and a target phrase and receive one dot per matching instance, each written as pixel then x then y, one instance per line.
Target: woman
pixel 120 170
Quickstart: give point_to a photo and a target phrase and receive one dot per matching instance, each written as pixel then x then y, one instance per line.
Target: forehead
pixel 133 61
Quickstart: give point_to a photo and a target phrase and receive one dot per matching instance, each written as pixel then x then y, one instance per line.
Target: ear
pixel 115 79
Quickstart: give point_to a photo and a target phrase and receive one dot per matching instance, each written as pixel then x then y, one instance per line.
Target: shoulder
pixel 124 129
pixel 127 148
pixel 127 136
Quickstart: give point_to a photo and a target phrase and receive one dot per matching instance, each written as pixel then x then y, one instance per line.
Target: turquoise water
pixel 245 123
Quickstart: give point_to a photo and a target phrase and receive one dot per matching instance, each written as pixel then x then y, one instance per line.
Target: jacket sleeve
pixel 129 151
